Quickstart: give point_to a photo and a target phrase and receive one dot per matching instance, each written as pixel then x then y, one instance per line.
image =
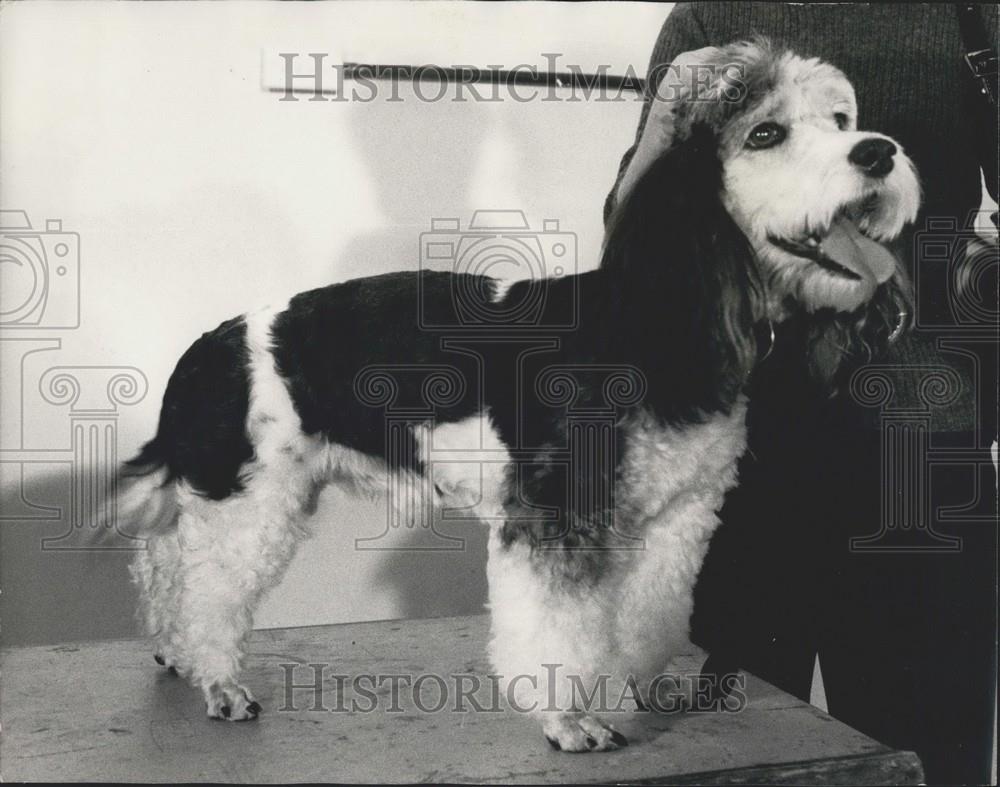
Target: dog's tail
pixel 145 497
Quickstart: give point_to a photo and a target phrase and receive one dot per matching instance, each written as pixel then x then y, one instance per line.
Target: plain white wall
pixel 197 195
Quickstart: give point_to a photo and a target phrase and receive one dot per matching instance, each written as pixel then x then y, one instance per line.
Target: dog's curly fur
pixel 596 537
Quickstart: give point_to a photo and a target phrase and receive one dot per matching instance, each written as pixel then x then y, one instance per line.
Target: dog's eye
pixel 766 135
pixel 841 120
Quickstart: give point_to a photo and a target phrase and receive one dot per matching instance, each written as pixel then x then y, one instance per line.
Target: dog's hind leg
pixel 155 572
pixel 231 551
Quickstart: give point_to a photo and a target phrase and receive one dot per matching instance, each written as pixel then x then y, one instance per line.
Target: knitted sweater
pixel 905 62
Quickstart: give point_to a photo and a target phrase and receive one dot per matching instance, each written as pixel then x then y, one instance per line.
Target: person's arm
pixel 988 158
pixel 681 32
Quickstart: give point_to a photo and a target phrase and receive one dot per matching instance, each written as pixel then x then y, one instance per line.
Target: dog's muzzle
pixel 843 249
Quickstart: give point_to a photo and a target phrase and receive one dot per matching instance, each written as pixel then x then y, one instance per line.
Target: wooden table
pixel 106 711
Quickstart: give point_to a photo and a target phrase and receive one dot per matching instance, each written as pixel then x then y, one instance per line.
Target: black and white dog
pixel 767 207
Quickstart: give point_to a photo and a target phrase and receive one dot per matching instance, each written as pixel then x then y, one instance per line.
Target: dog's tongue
pixel 846 246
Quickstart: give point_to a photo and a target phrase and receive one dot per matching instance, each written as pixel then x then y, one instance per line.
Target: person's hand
pixel 688 75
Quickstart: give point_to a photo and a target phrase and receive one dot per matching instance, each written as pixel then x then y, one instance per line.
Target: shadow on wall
pixel 423 160
pixel 428 582
pixel 401 147
pixel 53 594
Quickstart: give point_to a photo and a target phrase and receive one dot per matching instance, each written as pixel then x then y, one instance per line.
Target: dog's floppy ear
pixel 684 284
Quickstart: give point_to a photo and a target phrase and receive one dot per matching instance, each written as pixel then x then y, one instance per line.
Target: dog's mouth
pixel 843 248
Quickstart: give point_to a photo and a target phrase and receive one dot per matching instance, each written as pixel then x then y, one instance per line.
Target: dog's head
pixel 815 201
pixel 817 198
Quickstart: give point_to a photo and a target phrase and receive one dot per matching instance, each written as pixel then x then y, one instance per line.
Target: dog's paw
pixel 580 732
pixel 231 702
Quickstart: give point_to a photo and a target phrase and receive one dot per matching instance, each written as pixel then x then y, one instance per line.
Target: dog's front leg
pixel 549 645
pixel 564 697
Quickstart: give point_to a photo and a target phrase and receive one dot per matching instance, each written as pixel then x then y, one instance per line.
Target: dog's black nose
pixel 873 156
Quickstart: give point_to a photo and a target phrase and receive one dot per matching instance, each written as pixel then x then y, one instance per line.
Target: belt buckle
pixel 982 63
